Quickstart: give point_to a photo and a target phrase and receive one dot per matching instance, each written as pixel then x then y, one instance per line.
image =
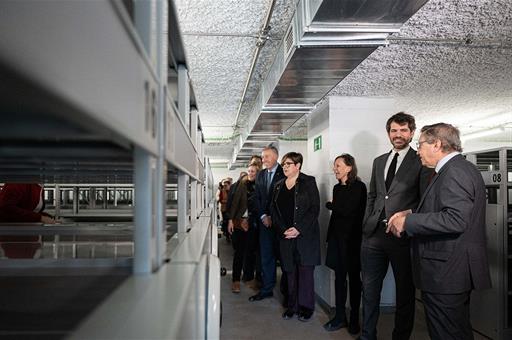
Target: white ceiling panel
pixel 221 16
pixel 218 69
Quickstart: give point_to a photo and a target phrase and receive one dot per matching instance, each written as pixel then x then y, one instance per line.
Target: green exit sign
pixel 317 143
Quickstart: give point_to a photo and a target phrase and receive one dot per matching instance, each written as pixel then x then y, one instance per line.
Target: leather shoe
pixel 260 296
pixel 305 315
pixel 353 328
pixel 288 314
pixel 335 324
pixel 235 287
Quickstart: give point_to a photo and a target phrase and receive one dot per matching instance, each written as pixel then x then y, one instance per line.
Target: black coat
pixel 348 207
pixel 305 220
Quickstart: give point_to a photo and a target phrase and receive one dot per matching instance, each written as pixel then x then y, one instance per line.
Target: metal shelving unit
pixel 95 99
pixel 496 168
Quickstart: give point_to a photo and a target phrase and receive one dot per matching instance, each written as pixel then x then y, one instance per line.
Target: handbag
pixel 241 223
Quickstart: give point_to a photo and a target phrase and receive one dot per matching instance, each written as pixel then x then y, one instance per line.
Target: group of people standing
pixel 424 213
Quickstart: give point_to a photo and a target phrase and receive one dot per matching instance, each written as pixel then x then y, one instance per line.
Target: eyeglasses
pixel 418 143
pixel 287 164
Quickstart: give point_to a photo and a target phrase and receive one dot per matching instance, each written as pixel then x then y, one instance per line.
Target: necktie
pixel 391 172
pixel 432 177
pixel 269 179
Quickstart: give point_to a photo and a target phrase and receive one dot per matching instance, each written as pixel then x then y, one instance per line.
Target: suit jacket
pixel 305 220
pixel 264 196
pixel 449 251
pixel 405 191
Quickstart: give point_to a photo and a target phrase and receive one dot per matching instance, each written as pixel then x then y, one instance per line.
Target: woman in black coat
pixel 344 241
pixel 295 208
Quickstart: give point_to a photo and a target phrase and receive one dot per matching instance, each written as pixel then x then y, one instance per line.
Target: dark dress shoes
pixel 288 314
pixel 335 324
pixel 305 315
pixel 260 296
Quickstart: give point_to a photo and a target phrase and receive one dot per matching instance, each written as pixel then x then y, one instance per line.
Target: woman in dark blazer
pixel 295 208
pixel 344 241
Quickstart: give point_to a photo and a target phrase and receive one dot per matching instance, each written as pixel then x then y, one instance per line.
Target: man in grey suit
pixel 396 184
pixel 449 249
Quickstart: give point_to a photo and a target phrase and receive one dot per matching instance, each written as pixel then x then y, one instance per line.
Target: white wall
pixel 358 127
pixel 354 125
pixel 286 146
pixel 319 165
pixel 223 172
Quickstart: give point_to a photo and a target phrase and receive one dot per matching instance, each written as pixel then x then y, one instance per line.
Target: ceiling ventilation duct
pixel 325 41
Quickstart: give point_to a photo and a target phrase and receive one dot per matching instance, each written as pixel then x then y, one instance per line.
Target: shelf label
pixel 492 177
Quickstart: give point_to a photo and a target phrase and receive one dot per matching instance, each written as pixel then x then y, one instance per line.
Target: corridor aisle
pixel 262 320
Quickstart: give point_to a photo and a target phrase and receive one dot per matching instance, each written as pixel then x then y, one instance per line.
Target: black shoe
pixel 260 296
pixel 288 314
pixel 305 315
pixel 353 328
pixel 335 324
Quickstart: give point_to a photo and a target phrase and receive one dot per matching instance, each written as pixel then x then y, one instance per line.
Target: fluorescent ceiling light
pixel 490 121
pixel 483 133
pixel 262 134
pixel 218 160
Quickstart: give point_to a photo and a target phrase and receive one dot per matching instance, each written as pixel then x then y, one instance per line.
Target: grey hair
pixel 448 134
pixel 271 147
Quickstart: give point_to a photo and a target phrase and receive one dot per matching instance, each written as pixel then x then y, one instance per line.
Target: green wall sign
pixel 317 143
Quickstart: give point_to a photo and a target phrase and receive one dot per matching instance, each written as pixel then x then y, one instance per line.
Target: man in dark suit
pixel 265 182
pixel 396 184
pixel 449 250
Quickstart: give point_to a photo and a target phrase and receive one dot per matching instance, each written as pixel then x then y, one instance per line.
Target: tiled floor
pixel 242 319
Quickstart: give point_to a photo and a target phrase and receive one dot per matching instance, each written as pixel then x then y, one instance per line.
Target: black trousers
pixel 377 252
pixel 239 241
pixel 252 253
pixel 301 288
pixel 448 316
pixel 224 225
pixel 349 262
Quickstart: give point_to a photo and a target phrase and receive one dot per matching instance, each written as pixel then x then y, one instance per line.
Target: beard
pixel 402 143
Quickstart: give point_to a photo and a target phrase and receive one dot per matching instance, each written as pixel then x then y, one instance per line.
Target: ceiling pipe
pixel 262 39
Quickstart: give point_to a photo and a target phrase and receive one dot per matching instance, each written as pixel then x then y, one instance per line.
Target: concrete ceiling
pixel 220 40
pixel 452 61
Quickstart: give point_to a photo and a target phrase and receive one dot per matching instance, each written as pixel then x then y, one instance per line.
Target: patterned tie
pixel 391 172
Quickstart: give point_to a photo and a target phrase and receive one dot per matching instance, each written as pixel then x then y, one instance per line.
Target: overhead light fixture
pixel 483 133
pixel 263 134
pixel 218 161
pixel 494 120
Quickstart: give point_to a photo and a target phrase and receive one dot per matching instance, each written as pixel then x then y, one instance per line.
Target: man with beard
pixel 398 180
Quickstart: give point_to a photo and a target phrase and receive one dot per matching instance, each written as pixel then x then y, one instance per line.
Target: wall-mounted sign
pixel 317 143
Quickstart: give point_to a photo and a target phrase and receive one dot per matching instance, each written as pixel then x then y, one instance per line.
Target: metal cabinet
pixel 491 310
